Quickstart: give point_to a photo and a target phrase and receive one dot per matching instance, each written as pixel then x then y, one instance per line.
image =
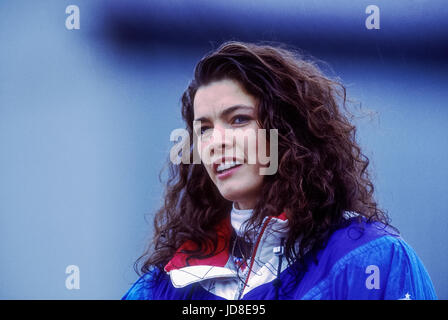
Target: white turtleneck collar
pixel 238 218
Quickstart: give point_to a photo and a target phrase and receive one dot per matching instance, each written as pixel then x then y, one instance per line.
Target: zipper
pixel 243 284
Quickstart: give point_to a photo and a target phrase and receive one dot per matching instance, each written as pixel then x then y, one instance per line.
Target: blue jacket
pixel 360 261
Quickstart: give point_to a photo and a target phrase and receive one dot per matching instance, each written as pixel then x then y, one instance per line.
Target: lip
pixel 217 162
pixel 228 172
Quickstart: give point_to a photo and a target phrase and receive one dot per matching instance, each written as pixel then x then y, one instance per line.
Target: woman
pixel 309 229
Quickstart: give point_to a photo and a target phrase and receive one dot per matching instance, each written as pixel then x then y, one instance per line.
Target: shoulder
pixel 143 288
pixel 356 234
pixel 371 261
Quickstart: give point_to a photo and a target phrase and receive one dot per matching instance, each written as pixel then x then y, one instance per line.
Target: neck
pixel 239 217
pixel 244 205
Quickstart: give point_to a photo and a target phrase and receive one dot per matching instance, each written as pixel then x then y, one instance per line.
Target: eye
pixel 204 129
pixel 241 119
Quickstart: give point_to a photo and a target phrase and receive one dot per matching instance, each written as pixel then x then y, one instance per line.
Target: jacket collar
pixel 218 258
pixel 184 269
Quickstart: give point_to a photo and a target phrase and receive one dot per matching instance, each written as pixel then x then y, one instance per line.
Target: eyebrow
pixel 228 111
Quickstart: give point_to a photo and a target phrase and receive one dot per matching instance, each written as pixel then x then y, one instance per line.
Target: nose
pixel 221 140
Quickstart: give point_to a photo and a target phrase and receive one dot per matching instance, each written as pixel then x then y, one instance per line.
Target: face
pixel 226 125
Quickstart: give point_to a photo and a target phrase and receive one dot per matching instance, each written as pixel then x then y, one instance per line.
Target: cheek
pixel 203 150
pixel 255 148
pixel 251 181
pixel 210 172
pixel 246 146
pixel 262 144
pixel 205 160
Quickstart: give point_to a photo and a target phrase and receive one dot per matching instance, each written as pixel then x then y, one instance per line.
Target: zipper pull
pixel 280 250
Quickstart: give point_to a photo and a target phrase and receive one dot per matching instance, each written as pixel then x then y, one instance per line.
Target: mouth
pixel 226 168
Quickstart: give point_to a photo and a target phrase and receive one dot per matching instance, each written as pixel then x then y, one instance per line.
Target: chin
pixel 234 193
pixel 231 194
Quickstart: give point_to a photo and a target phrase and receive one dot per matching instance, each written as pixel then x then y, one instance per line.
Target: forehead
pixel 218 95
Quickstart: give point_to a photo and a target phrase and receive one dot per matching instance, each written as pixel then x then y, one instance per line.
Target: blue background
pixel 85 119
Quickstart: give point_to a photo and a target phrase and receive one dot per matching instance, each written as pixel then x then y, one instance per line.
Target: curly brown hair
pixel 322 177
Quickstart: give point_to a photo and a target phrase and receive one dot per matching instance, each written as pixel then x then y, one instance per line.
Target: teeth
pixel 227 165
